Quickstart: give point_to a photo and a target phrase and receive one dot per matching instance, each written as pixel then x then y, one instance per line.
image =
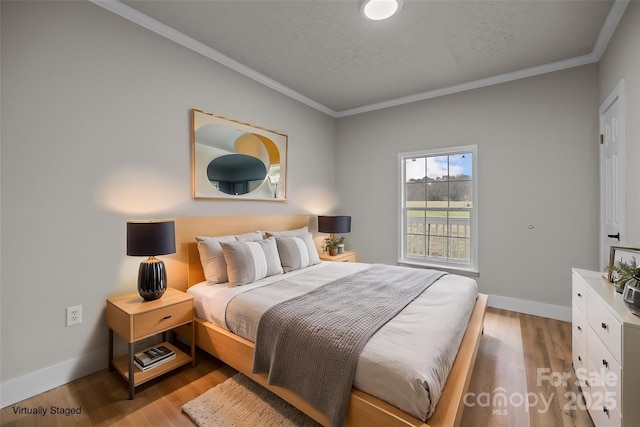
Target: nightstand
pixel 135 319
pixel 344 257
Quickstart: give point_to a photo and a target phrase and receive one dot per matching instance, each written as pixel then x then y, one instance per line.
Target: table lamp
pixel 334 224
pixel 151 238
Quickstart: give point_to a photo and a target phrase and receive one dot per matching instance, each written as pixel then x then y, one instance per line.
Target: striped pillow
pixel 212 258
pixel 250 261
pixel 297 252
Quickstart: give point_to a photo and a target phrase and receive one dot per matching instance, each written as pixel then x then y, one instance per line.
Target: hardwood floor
pixel 520 372
pixel 520 360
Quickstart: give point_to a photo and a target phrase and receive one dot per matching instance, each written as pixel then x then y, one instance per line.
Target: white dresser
pixel 606 351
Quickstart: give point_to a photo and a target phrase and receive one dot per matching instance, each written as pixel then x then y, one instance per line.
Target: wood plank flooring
pixel 517 354
pixel 518 376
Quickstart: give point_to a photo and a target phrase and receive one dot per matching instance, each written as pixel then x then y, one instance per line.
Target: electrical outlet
pixel 74 315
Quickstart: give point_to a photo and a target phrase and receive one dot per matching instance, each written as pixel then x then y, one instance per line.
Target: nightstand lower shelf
pixel 121 364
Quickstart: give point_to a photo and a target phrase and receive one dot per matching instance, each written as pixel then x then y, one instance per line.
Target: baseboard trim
pixel 551 311
pixel 45 379
pixel 34 383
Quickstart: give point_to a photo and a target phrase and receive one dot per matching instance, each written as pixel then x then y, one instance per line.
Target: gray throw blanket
pixel 310 344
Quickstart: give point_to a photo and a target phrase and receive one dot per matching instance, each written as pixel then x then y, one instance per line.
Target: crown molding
pixel 182 39
pixel 608 28
pixel 476 84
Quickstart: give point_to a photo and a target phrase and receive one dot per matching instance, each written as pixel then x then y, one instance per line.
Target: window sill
pixel 469 272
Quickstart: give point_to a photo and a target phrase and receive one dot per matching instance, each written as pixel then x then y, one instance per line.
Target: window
pixel 438 208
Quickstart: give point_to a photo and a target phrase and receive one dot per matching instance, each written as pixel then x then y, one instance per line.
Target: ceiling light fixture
pixel 378 10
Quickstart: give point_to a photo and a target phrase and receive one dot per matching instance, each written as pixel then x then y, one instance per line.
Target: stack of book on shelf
pixel 152 357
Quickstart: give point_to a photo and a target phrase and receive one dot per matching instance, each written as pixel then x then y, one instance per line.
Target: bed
pixel 364 409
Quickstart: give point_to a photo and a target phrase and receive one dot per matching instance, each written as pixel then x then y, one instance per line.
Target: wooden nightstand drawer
pixel 344 257
pixel 347 258
pixel 162 319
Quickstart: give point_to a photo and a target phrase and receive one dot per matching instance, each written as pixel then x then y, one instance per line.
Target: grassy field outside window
pixel 438 207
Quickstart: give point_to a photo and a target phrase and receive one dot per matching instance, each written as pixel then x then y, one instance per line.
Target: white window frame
pixel 456 267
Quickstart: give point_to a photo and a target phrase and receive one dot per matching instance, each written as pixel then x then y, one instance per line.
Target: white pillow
pixel 212 258
pixel 250 261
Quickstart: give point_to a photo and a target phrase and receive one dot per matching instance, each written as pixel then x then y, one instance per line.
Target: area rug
pixel 240 402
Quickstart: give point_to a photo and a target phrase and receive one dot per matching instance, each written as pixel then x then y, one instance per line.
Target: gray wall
pixel 538 163
pixel 94 113
pixel 622 60
pixel 95 131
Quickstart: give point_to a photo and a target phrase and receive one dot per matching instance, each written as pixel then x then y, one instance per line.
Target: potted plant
pixel 331 244
pixel 622 272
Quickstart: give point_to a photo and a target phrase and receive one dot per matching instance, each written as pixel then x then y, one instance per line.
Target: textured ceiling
pixel 328 52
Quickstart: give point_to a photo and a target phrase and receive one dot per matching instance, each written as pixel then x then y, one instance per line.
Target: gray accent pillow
pixel 249 237
pixel 212 258
pixel 297 252
pixel 250 261
pixel 288 233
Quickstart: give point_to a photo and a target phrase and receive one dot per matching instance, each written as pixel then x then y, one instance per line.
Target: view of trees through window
pixel 438 202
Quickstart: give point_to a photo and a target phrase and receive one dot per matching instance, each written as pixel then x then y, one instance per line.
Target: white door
pixel 612 173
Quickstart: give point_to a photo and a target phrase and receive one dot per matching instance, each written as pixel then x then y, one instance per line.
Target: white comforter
pixel 406 363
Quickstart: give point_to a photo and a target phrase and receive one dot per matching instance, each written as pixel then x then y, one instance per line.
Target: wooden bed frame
pixel 184 270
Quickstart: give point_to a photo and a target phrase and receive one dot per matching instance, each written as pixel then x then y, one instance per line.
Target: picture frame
pixel 620 253
pixel 236 160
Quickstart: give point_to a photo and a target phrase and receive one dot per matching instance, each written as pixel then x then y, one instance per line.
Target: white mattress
pixel 406 362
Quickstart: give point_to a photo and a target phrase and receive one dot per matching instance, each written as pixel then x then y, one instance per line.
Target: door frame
pixel 616 95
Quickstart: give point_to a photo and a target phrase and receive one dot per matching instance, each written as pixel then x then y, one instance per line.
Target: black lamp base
pixel 152 279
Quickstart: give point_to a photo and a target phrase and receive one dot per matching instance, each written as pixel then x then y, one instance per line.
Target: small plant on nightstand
pixel 331 244
pixel 624 271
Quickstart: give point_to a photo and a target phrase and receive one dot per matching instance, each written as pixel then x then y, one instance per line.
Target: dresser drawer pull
pixel 166 317
pixel 604 325
pixel 579 295
pixel 580 328
pixel 579 359
pixel 606 411
pixel 605 363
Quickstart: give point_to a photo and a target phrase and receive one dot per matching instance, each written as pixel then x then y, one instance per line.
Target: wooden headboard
pixel 184 268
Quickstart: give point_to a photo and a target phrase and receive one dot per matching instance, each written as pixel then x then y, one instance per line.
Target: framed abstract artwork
pixel 235 160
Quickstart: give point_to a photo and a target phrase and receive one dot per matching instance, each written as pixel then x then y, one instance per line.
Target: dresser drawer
pixel 579 356
pixel 580 293
pixel 608 329
pixel 603 405
pixel 601 413
pixel 607 368
pixel 579 328
pixel 579 324
pixel 162 319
